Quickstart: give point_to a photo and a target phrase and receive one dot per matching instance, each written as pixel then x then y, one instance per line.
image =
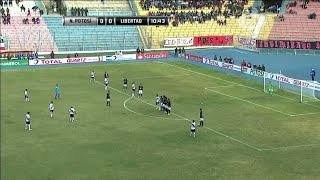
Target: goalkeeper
pixel 270 89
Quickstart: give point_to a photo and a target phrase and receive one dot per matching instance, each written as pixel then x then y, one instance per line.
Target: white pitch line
pixel 248 102
pixel 195 72
pixel 213 87
pixel 217 132
pixel 289 147
pixel 125 106
pixel 152 77
pixel 295 115
pixel 224 135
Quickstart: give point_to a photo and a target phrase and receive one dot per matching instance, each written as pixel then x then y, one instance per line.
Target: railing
pixel 289 51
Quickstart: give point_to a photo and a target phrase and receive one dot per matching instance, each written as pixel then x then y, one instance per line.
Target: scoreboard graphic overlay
pixel 117 20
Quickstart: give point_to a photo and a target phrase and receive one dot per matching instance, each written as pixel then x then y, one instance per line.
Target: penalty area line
pixel 235 83
pixel 304 114
pixel 213 87
pixel 152 77
pixel 217 132
pixel 289 147
pixel 240 99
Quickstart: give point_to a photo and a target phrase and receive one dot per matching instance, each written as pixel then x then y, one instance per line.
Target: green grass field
pixel 247 135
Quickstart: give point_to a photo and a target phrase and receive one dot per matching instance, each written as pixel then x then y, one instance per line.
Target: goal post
pixel 311 93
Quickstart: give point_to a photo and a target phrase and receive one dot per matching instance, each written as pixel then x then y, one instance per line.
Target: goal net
pixel 305 91
pixel 310 93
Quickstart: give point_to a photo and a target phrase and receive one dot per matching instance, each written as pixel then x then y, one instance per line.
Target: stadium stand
pixel 75 38
pixel 50 35
pixel 296 24
pixel 267 27
pixel 22 34
pixel 204 22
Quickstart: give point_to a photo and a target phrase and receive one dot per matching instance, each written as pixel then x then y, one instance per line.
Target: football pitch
pixel 247 133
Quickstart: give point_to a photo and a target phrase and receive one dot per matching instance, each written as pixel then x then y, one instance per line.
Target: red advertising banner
pixel 152 55
pixel 212 40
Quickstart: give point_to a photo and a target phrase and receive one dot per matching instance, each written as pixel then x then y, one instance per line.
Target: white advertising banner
pixel 39 62
pixel 123 57
pixel 255 72
pixel 174 42
pixel 221 64
pixel 292 81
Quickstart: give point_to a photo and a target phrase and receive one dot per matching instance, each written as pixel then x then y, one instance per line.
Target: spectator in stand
pixel 259 67
pixel 82 11
pixel 2 11
pixel 52 55
pixel 215 57
pixel 28 12
pixel 1 3
pixel 243 63
pixel 10 3
pixel 86 11
pixel 22 8
pixel 312 74
pixel 179 52
pixel 249 65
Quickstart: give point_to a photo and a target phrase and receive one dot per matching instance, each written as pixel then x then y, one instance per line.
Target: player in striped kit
pixel 72 112
pixel 26 96
pixel 51 109
pixel 193 129
pixel 28 121
pixel 93 76
pixel 133 89
pixel 158 102
pixel 106 83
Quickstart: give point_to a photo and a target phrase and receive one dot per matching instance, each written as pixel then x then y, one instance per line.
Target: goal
pixel 308 91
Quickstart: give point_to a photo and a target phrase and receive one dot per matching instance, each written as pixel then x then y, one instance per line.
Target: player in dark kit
pixel 165 102
pixel 161 103
pixel 140 91
pixel 108 98
pixel 201 118
pixel 106 75
pixel 168 107
pixel 125 84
